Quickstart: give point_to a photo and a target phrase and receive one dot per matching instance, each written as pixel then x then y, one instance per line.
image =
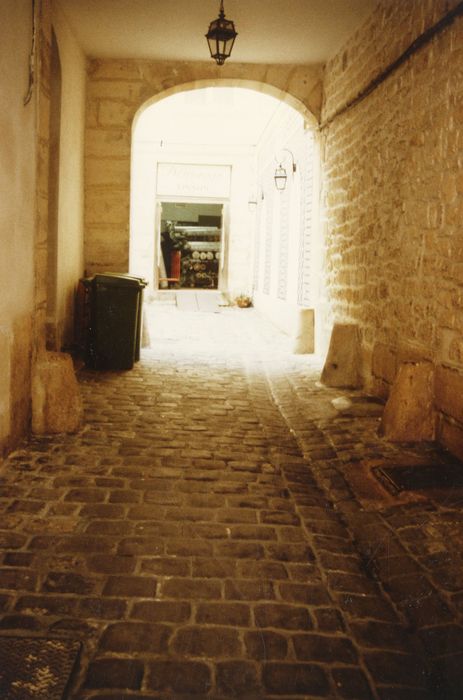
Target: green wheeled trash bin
pixel 113 338
pixel 143 283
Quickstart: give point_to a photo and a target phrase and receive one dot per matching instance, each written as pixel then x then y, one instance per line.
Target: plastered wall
pixel 393 200
pixel 117 89
pixel 25 260
pixel 70 230
pixel 17 220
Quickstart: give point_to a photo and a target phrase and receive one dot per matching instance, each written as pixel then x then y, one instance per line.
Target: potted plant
pixel 243 301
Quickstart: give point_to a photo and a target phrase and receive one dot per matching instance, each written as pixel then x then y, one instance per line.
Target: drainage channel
pixel 390 655
pixel 424 613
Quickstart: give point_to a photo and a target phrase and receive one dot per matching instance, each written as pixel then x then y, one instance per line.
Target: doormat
pixel 419 477
pixel 36 668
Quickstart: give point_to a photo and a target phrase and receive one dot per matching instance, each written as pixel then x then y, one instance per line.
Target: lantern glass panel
pixel 221 37
pixel 280 178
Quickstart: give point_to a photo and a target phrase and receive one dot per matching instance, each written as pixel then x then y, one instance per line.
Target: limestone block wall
pixel 116 90
pixel 393 198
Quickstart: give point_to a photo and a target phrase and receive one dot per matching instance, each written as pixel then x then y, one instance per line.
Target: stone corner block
pixel 342 364
pixel 384 362
pixel 450 435
pixel 56 401
pixel 448 389
pixel 145 332
pixel 409 414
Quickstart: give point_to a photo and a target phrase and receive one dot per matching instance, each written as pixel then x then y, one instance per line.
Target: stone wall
pixel 393 199
pixel 117 89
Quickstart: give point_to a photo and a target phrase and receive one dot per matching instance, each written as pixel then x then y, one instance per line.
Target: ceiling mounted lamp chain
pixel 221 37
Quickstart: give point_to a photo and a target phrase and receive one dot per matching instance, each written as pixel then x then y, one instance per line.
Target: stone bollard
pixel 409 414
pixel 145 340
pixel 343 359
pixel 56 401
pixel 304 337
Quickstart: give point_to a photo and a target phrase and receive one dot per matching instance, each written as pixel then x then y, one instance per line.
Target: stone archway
pixel 117 93
pixel 304 107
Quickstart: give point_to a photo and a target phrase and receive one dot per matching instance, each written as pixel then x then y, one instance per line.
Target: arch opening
pixel 210 145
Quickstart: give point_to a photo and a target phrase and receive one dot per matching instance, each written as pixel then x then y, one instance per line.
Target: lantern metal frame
pixel 221 37
pixel 281 176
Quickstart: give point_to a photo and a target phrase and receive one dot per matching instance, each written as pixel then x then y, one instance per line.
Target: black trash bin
pixel 143 283
pixel 115 320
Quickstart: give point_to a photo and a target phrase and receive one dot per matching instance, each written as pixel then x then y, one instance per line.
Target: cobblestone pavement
pixel 214 531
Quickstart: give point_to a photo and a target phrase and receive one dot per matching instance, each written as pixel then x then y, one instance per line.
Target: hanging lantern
pixel 280 178
pixel 221 37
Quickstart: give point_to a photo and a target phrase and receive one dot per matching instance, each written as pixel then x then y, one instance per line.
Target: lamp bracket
pixel 282 159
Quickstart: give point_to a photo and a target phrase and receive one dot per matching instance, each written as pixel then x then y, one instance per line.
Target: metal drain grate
pixel 36 668
pixel 419 477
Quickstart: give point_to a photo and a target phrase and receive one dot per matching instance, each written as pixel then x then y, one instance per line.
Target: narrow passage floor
pixel 214 531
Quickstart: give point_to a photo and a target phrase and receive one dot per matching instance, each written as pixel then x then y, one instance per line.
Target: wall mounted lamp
pixel 221 37
pixel 281 175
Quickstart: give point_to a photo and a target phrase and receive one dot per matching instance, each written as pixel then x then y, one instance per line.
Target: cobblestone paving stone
pixel 205 535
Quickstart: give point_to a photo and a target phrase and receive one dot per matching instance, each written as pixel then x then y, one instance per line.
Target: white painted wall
pixel 145 157
pixel 287 257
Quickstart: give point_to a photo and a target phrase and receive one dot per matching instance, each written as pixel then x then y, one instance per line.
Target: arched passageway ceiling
pixel 119 90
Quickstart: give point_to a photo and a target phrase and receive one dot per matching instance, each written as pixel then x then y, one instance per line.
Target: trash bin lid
pixel 112 279
pixel 124 275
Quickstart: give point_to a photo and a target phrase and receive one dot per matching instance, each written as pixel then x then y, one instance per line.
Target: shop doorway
pixel 191 245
